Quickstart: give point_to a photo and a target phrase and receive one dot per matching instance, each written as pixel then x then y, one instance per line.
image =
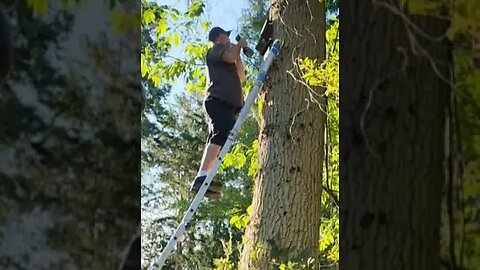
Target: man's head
pixel 218 35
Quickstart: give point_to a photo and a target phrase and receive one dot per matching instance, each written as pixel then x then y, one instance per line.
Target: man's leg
pixel 209 156
pixel 221 121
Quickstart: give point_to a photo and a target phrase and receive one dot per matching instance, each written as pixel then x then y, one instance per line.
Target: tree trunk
pixel 286 202
pixel 392 124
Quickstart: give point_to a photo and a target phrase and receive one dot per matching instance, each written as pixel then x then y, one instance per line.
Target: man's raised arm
pixel 240 69
pixel 232 53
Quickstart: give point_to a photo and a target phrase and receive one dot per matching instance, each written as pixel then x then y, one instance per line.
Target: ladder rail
pixel 185 223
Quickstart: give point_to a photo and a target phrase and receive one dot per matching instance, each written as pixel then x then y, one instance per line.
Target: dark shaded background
pixel 69 136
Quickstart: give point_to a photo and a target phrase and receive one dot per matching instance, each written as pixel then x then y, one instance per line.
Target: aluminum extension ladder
pixel 185 223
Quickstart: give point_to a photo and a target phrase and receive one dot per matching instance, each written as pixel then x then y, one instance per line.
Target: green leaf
pixel 241 159
pixel 197 72
pixel 174 17
pixel 168 40
pixel 39 7
pixel 143 65
pixel 205 26
pixel 189 87
pixel 238 222
pixel 195 9
pixel 459 25
pixel 253 255
pixel 423 7
pixel 148 17
pixel 156 80
pixel 253 154
pixel 162 27
pixel 176 39
pixel 260 108
pixel 227 161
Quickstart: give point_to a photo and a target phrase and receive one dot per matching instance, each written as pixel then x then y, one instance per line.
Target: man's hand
pixel 242 43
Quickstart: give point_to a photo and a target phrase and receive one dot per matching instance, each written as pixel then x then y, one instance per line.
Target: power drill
pixel 247 51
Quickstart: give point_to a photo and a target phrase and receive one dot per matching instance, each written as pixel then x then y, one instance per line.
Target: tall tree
pixel 395 86
pixel 286 205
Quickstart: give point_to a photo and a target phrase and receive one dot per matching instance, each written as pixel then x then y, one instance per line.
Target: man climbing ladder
pixel 205 181
pixel 224 99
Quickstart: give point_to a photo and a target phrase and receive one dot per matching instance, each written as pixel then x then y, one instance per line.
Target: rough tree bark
pixel 393 102
pixel 286 202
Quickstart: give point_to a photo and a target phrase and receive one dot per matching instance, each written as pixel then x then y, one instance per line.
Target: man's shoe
pixel 213 191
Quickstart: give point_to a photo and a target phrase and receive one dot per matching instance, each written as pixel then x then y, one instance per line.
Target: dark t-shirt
pixel 222 78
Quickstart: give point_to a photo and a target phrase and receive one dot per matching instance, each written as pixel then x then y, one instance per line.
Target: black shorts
pixel 221 119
